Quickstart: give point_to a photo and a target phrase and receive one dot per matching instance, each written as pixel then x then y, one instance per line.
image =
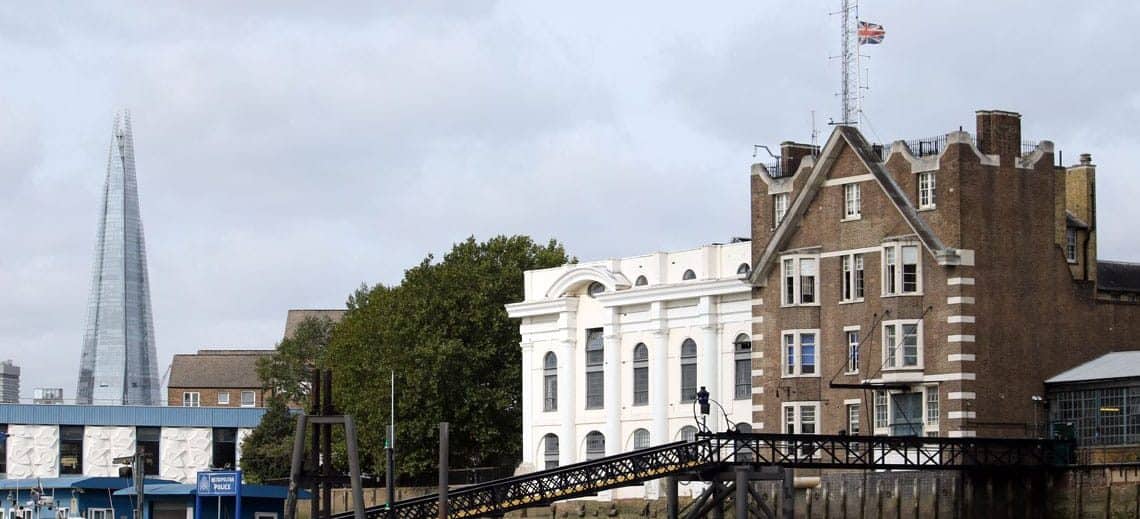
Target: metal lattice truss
pixel 718 452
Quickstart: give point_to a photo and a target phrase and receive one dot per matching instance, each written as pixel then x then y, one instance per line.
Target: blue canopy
pixel 181 489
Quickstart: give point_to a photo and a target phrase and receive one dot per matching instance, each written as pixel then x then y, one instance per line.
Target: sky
pixel 288 152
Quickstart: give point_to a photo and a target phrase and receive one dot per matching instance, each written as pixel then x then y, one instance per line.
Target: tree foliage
pixel 289 371
pixel 444 331
pixel 266 453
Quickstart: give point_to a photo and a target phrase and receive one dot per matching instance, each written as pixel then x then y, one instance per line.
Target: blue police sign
pixel 219 483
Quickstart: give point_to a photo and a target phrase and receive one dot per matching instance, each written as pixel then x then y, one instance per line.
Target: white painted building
pixel 614 351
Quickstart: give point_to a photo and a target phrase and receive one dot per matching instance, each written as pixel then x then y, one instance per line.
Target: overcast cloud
pixel 288 153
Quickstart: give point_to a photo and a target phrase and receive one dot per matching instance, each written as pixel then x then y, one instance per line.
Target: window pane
pixel 932 405
pixel 789 354
pixel 641 439
pixel 889 345
pixel 910 344
pixel 225 448
pixel 858 276
pixel 688 382
pixel 688 433
pixel 595 446
pixel 594 390
pixel 641 386
pixel 743 378
pixel 853 418
pixel 807 419
pixel 550 393
pixel 550 452
pixel 807 353
pixel 852 351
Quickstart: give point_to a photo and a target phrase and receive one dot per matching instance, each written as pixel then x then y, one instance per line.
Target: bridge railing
pixel 883 452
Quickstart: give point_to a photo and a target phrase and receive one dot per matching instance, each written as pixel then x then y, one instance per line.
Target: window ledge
pixel 851 218
pixel 813 375
pixel 1071 261
pixel 927 208
pixel 905 368
pixel 851 302
pixel 908 294
pixel 851 372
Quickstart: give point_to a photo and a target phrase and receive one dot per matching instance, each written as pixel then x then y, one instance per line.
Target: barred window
pixel 550 382
pixel 688 370
pixel 595 358
pixel 640 375
pixel 550 451
pixel 595 445
pixel 743 356
pixel 641 439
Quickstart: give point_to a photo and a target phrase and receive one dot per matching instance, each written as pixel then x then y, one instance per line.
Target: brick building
pixel 927 287
pixel 217 378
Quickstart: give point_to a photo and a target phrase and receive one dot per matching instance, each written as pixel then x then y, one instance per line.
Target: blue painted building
pixel 176 501
pixel 68 496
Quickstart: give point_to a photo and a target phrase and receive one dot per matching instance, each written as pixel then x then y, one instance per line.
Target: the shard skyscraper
pixel 119 366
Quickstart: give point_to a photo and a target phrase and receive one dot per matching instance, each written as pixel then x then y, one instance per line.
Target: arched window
pixel 595 288
pixel 688 370
pixel 595 445
pixel 688 433
pixel 595 358
pixel 641 439
pixel 550 451
pixel 641 281
pixel 550 382
pixel 640 374
pixel 688 275
pixel 743 269
pixel 743 348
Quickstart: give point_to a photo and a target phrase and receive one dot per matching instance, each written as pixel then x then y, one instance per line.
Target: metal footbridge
pixel 711 456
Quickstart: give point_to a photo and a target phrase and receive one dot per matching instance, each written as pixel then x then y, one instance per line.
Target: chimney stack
pixel 792 153
pixel 999 133
pixel 1086 159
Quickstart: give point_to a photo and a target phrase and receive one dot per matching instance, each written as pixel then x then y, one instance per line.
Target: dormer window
pixel 689 275
pixel 743 269
pixel 926 190
pixel 641 281
pixel 595 288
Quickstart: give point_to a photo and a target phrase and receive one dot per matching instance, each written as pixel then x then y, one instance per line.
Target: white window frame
pixel 854 425
pixel 223 398
pixel 899 355
pixel 852 202
pixel 853 349
pixel 881 402
pixel 931 414
pixel 928 428
pixel 1070 244
pixel 895 280
pixel 779 208
pixel 926 191
pixel 797 421
pixel 850 266
pixel 191 399
pixel 797 364
pixel 253 399
pixel 797 276
pixel 100 513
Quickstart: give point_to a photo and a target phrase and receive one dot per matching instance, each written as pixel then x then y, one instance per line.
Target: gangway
pixel 710 456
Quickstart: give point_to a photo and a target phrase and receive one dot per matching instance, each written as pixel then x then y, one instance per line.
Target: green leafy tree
pixel 267 452
pixel 289 371
pixel 445 333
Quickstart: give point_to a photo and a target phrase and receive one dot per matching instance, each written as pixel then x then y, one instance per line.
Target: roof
pixel 217 369
pixel 90 482
pixel 182 489
pixel 1118 364
pixel 828 157
pixel 294 318
pixel 1118 275
pixel 130 415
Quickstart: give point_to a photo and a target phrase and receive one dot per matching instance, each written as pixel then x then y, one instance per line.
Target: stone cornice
pixel 541 307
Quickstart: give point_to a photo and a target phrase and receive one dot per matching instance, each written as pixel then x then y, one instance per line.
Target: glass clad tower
pixel 118 365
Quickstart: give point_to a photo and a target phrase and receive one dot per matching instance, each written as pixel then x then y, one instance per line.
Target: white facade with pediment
pixel 648 300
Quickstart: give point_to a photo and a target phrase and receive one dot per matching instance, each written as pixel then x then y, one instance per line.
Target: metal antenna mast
pixel 850 94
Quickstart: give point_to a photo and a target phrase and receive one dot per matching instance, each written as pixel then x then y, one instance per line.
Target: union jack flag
pixel 871 33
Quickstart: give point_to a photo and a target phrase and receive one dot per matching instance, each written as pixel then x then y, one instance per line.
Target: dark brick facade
pixel 1001 307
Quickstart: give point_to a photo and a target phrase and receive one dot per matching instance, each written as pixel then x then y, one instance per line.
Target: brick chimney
pixel 999 133
pixel 791 153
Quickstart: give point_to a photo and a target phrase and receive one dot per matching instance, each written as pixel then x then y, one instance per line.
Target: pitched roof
pixel 294 318
pixel 1118 275
pixel 217 369
pixel 1071 220
pixel 828 157
pixel 1118 364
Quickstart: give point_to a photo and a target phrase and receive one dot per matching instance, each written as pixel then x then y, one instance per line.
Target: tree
pixel 445 333
pixel 267 452
pixel 289 371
